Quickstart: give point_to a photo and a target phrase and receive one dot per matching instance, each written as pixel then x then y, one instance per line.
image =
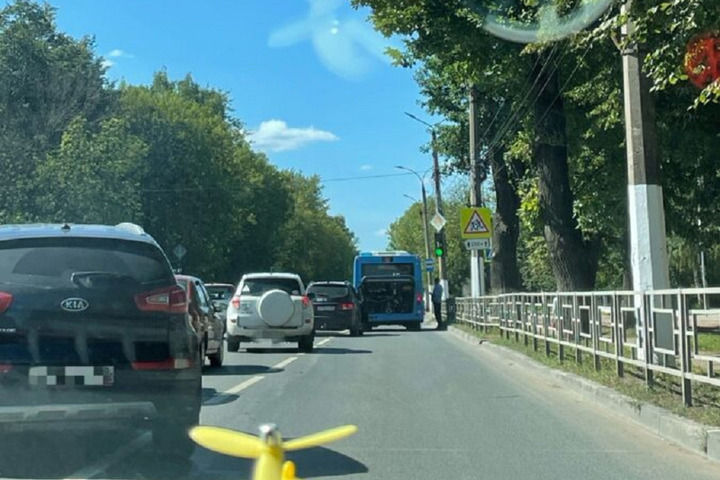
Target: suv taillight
pixel 168 364
pixel 5 301
pixel 169 300
pixel 306 301
pixel 347 306
pixel 235 302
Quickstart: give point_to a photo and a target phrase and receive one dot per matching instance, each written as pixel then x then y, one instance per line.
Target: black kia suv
pixel 94 334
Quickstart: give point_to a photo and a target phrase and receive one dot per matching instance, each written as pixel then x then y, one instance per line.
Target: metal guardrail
pixel 681 327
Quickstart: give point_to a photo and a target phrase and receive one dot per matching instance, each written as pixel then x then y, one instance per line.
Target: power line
pixel 214 189
pixel 364 177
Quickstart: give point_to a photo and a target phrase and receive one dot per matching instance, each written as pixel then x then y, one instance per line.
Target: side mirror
pixel 312 296
pixel 217 308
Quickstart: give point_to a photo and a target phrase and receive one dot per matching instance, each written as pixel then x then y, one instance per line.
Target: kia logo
pixel 74 304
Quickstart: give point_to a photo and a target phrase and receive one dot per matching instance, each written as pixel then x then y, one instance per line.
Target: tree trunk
pixel 574 261
pixel 505 275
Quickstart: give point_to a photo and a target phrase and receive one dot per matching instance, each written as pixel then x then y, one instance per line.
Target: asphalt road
pixel 428 406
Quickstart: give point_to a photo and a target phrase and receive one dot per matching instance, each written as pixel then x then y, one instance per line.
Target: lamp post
pixel 442 271
pixel 425 228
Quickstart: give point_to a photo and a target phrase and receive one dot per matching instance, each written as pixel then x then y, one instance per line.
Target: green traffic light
pixel 439 252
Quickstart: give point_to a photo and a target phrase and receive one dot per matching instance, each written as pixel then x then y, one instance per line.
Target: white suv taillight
pixel 235 302
pixel 306 301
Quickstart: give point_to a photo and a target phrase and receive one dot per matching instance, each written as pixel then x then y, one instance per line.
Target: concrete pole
pixel 648 244
pixel 477 260
pixel 442 272
pixel 427 244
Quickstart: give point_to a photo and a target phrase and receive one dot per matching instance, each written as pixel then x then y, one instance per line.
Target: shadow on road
pixel 323 462
pixel 212 397
pixel 338 351
pixel 55 455
pixel 240 370
pixel 374 333
pixel 270 350
pixel 401 329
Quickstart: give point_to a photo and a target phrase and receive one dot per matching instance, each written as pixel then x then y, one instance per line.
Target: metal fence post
pixel 595 330
pixel 685 362
pixel 576 329
pixel 646 316
pixel 616 318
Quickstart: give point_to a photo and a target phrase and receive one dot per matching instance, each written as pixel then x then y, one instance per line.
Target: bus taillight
pixel 419 298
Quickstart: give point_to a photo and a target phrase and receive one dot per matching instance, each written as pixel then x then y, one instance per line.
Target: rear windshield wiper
pixel 102 280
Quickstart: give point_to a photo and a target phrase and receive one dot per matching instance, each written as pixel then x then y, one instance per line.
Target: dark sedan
pixel 336 307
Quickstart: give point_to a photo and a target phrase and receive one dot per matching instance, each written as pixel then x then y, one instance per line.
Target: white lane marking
pixel 101 465
pixel 220 398
pixel 322 342
pixel 246 384
pixel 285 362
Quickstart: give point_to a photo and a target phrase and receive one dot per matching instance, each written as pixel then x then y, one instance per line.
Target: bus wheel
pixel 413 327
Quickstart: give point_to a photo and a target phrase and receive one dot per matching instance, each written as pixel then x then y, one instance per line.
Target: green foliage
pixel 47 79
pixel 406 233
pixel 169 156
pixel 93 177
pixel 315 244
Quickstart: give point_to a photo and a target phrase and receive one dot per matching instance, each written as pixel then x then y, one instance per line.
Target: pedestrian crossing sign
pixel 476 223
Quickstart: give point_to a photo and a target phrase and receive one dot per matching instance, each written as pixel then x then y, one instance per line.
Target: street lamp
pixel 438 196
pixel 425 226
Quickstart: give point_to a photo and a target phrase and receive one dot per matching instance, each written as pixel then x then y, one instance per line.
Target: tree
pixel 93 177
pixel 47 79
pixel 203 185
pixel 448 33
pixel 315 244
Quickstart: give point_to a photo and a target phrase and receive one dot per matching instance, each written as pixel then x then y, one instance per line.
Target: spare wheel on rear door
pixel 276 308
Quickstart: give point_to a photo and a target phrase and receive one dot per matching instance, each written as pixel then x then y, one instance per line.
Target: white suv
pixel 270 306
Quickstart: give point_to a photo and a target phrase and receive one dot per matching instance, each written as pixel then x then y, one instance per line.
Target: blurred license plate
pixel 71 376
pixel 327 308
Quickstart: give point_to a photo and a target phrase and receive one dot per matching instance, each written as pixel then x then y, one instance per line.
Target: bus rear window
pixel 387 269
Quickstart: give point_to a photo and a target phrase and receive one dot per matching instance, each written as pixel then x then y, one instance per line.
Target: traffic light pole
pixel 427 245
pixel 439 209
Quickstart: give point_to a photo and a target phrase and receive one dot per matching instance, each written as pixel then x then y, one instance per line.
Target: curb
pixel 696 437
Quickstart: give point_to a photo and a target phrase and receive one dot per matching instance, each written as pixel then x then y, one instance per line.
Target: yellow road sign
pixel 476 223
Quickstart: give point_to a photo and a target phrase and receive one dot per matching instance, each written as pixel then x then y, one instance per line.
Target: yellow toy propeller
pixel 269 449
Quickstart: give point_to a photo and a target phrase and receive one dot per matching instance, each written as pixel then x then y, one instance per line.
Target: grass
pixel 665 392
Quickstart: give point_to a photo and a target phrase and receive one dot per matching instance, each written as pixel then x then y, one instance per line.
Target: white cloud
pixel 381 233
pixel 107 63
pixel 277 136
pixel 366 167
pixel 118 53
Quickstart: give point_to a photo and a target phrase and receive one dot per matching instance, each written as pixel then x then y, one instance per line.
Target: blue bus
pixel 391 288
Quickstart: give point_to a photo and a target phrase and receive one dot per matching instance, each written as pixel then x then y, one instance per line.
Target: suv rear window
pixel 53 261
pixel 331 292
pixel 258 286
pixel 220 293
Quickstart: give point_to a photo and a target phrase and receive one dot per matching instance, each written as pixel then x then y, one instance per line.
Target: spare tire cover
pixel 276 308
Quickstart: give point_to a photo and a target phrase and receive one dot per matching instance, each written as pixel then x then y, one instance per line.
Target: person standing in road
pixel 437 295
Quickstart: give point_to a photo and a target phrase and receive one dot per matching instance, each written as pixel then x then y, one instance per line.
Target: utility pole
pixel 646 214
pixel 439 209
pixel 438 201
pixel 477 260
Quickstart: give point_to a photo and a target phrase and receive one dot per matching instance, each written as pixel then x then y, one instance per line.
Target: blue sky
pixel 308 77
